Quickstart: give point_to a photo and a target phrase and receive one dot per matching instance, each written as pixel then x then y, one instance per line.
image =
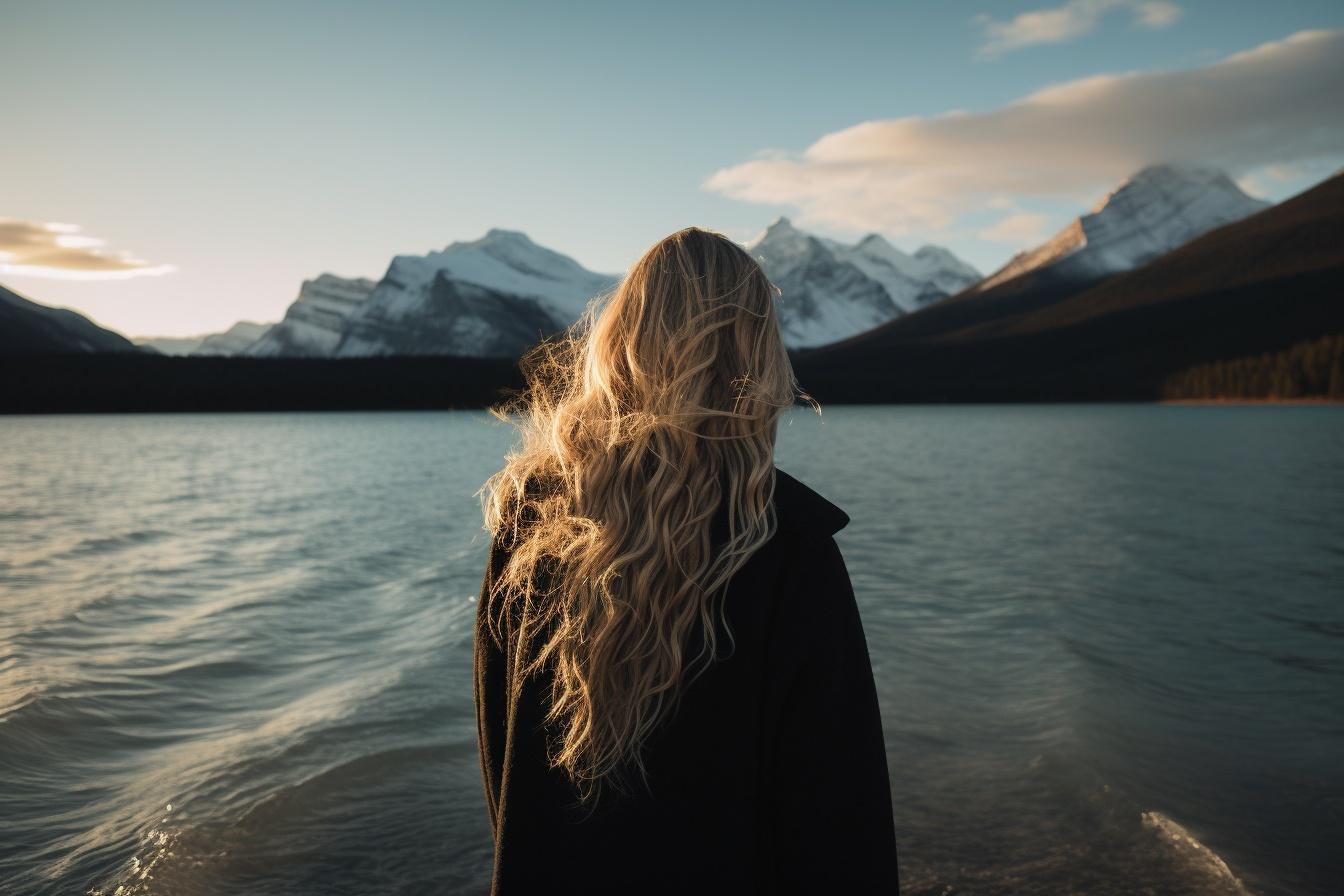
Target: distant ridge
pixel 170 345
pixel 28 328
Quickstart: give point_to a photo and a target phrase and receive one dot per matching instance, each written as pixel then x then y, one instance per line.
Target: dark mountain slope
pixel 27 328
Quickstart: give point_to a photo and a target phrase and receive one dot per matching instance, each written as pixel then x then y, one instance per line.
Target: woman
pixel 673 688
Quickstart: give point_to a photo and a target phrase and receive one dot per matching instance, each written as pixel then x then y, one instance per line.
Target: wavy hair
pixel 641 425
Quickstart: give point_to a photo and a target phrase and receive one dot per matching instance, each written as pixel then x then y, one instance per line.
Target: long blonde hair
pixel 655 410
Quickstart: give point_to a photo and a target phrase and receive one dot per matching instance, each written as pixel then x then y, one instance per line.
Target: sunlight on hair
pixel 656 409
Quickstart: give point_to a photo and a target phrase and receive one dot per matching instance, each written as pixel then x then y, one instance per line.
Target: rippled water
pixel 235 649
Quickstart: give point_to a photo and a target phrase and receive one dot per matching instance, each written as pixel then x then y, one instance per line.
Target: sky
pixel 171 168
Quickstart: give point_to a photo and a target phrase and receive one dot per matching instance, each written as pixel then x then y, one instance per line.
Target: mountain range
pixel 830 291
pixel 500 294
pixel 865 321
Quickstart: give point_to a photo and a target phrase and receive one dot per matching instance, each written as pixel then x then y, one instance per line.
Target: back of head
pixel 655 412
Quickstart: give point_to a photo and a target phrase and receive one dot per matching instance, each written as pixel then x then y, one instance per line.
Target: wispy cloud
pixel 1059 24
pixel 60 251
pixel 1275 104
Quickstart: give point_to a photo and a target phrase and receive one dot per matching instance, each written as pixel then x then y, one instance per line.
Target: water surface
pixel 1109 642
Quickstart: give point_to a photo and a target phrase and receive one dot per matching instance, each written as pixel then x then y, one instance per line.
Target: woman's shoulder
pixel 804 510
pixel 812 610
pixel 808 560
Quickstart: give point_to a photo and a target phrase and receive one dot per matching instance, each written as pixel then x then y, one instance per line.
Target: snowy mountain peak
pixel 936 253
pixel 832 290
pixel 1170 183
pixel 493 295
pixel 509 261
pixel 783 246
pixel 936 258
pixel 781 230
pixel 876 245
pixel 1157 209
pixel 500 234
pixel 499 240
pixel 1180 172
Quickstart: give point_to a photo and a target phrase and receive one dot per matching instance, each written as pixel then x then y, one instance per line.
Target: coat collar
pixel 804 507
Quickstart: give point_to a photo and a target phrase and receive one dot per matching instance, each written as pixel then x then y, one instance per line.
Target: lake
pixel 235 650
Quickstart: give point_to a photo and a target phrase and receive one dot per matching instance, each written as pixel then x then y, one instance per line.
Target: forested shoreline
pixel 1312 369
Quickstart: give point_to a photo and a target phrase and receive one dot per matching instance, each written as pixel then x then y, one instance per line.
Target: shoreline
pixel 1329 401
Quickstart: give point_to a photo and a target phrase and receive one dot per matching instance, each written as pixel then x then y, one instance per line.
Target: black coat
pixel 772 776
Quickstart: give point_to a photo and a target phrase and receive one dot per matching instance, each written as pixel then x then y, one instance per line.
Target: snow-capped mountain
pixel 831 290
pixel 1156 210
pixel 494 296
pixel 499 295
pixel 314 324
pixel 912 281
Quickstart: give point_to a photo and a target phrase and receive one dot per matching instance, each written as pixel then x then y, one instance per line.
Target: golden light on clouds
pixel 1275 104
pixel 62 252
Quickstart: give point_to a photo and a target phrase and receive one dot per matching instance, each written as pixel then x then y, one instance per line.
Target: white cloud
pixel 1064 23
pixel 60 251
pixel 1275 104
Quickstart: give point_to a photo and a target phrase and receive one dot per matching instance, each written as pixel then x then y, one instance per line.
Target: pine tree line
pixel 1312 369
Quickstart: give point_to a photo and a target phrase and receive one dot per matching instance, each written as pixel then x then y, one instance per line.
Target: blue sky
pixel 236 149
